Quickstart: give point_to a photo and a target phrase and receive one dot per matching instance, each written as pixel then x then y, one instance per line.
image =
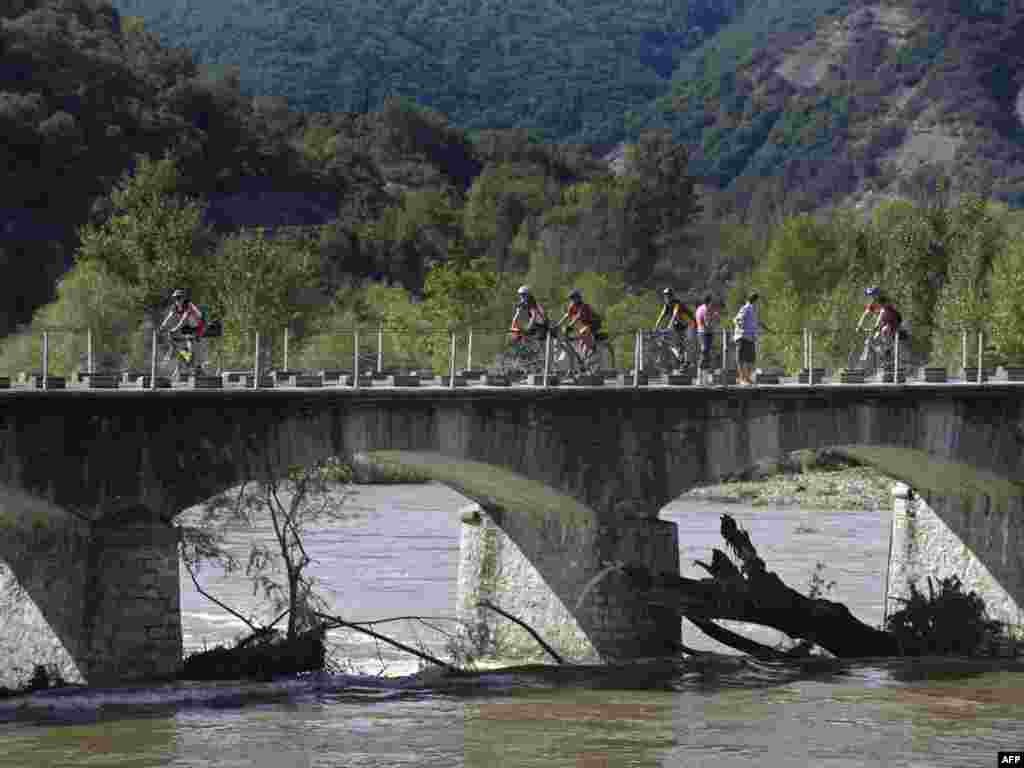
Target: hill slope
pixel 570 69
pixel 865 99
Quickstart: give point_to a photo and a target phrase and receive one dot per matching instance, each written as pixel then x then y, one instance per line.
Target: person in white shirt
pixel 747 329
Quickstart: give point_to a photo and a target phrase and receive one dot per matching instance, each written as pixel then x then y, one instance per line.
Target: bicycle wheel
pixel 601 359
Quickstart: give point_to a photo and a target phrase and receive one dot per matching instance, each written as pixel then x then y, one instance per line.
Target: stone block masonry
pixel 493 567
pixel 969 536
pixel 95 603
pixel 43 571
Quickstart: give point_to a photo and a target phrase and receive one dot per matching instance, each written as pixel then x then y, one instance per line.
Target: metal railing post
pixel 469 351
pixel 152 369
pixel 256 363
pixel 981 345
pixel 810 357
pixel 636 358
pixel 725 354
pixel 380 348
pixel 896 358
pixel 807 364
pixel 640 351
pixel 355 360
pixel 963 345
pixel 286 334
pixel 547 358
pixel 88 349
pixel 451 363
pixel 46 357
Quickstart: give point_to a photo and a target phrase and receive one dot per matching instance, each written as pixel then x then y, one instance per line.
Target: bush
pixel 944 624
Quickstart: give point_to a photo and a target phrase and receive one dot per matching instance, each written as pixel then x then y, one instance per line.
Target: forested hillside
pixel 567 69
pixel 385 194
pixel 828 97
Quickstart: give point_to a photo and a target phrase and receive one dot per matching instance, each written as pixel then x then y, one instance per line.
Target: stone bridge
pixel 575 478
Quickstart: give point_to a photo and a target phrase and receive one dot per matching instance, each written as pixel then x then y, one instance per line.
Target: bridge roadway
pixel 653 383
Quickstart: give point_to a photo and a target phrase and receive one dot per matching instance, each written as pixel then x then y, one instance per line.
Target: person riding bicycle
pixel 186 321
pixel 680 319
pixel 537 325
pixel 581 319
pixel 887 324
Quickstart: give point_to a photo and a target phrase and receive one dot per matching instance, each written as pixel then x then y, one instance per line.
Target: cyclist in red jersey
pixel 186 321
pixel 581 318
pixel 888 322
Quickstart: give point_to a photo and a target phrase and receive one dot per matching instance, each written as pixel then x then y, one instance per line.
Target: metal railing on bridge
pixel 382 356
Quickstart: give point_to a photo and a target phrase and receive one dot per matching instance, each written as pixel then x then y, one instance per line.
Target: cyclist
pixel 888 322
pixel 537 324
pixel 581 318
pixel 186 321
pixel 680 319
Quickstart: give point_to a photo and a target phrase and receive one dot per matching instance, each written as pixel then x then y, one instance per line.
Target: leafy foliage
pixel 261 286
pixel 152 242
pixel 947 623
pixel 569 70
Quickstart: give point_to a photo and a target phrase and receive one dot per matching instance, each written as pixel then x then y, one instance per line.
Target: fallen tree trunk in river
pixel 751 593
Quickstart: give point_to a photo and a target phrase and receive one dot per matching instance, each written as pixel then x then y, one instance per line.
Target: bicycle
pixel 665 352
pixel 877 354
pixel 569 360
pixel 523 356
pixel 178 363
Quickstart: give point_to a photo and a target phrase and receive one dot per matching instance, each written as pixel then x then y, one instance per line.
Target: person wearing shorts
pixel 747 329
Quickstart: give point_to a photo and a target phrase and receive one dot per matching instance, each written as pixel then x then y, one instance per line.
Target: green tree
pixel 88 299
pixel 153 240
pixel 659 198
pixel 455 298
pixel 306 496
pixel 498 203
pixel 264 285
pixel 977 235
pixel 1007 291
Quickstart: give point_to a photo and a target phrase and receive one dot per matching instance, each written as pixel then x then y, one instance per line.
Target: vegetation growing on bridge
pixel 929 473
pixel 494 488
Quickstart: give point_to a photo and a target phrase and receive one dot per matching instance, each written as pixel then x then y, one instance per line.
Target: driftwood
pixel 269 655
pixel 751 593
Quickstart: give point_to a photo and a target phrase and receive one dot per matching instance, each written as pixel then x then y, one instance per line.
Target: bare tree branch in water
pixel 533 633
pixel 335 621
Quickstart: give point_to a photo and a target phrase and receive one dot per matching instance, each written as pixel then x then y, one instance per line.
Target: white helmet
pixel 524 290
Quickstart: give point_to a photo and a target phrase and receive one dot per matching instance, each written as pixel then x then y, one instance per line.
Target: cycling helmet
pixel 524 290
pixel 178 294
pixel 668 292
pixel 576 294
pixel 872 291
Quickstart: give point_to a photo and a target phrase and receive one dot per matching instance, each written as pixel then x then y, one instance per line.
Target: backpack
pixel 596 321
pixel 212 328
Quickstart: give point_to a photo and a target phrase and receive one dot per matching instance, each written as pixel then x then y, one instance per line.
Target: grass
pixel 19 510
pixel 492 486
pixel 925 472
